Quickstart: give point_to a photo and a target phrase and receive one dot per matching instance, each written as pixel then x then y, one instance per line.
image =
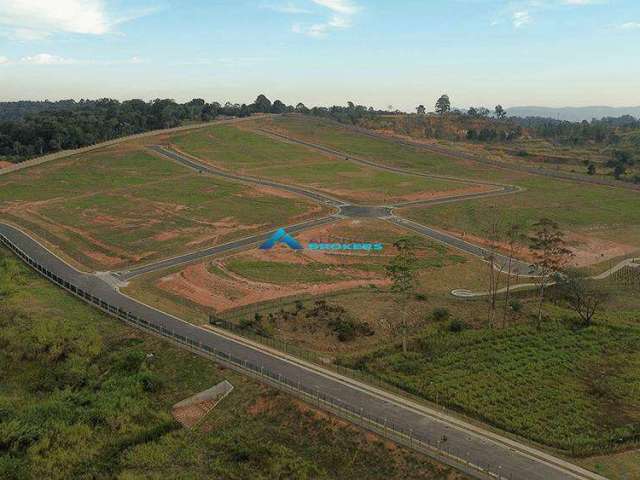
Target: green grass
pixel 575 390
pixel 279 272
pixel 81 398
pixel 604 212
pixel 85 174
pixel 112 209
pixel 262 156
pixel 332 134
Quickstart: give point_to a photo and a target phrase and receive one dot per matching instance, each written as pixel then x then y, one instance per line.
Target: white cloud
pixel 342 12
pixel 630 26
pixel 288 7
pixel 3 60
pixel 521 18
pixel 46 59
pixel 37 19
pixel 343 7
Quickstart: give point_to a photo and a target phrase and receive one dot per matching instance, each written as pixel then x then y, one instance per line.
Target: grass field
pixel 594 211
pixel 80 397
pixel 243 151
pixel 121 206
pixel 324 132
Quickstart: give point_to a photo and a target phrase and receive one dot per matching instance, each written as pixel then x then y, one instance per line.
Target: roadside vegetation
pixel 84 396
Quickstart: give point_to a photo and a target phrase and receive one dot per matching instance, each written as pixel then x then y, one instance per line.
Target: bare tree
pixel 401 271
pixel 550 255
pixel 514 237
pixel 582 296
pixel 494 234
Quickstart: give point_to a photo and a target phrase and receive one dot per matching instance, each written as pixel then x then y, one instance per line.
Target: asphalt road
pixel 345 210
pixel 518 267
pixel 503 457
pixel 498 187
pixel 248 242
pixel 201 167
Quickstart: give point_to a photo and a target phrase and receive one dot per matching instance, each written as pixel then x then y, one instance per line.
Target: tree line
pixel 30 129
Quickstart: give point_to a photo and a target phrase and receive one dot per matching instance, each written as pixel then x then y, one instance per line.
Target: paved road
pixel 202 167
pixel 518 267
pixel 504 457
pixel 248 242
pixel 627 263
pixel 497 187
pixel 345 210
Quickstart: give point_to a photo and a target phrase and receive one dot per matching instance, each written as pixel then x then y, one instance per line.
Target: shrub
pixel 516 305
pixel 456 326
pixel 421 297
pixel 439 314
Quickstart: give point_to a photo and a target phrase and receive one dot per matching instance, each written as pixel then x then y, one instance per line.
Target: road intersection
pixel 478 451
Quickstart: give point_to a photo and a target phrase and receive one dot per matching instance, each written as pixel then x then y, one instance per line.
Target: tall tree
pixel 262 104
pixel 302 108
pixel 443 105
pixel 550 254
pixel 493 234
pixel 500 112
pixel 402 273
pixel 514 237
pixel 421 110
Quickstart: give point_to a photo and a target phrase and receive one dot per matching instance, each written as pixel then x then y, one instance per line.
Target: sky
pixel 398 53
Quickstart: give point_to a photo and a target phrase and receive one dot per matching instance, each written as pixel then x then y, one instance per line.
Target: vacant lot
pixel 83 396
pixel 603 222
pixel 243 151
pixel 324 132
pixel 355 282
pixel 123 205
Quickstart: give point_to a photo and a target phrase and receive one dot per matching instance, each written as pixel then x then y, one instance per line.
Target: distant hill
pixel 574 114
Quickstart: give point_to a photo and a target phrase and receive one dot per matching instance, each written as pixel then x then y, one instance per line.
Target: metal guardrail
pixel 439 450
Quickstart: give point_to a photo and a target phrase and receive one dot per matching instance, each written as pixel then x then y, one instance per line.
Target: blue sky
pixel 374 52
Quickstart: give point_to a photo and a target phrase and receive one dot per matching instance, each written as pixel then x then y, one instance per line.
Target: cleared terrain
pixel 569 387
pixel 125 205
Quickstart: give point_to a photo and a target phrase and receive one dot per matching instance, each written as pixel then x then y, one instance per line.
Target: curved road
pixel 345 210
pixel 502 457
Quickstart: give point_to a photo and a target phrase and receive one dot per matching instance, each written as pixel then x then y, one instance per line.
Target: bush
pixel 516 305
pixel 456 326
pixel 439 314
pixel 421 297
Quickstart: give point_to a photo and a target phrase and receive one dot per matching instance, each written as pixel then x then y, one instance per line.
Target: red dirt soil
pixel 4 164
pixel 228 290
pixel 587 250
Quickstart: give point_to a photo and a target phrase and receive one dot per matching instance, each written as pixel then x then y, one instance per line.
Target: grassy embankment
pixel 81 397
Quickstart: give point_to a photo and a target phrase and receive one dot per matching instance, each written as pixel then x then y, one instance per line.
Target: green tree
pixel 262 104
pixel 421 110
pixel 591 169
pixel 500 112
pixel 402 273
pixel 443 105
pixel 550 256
